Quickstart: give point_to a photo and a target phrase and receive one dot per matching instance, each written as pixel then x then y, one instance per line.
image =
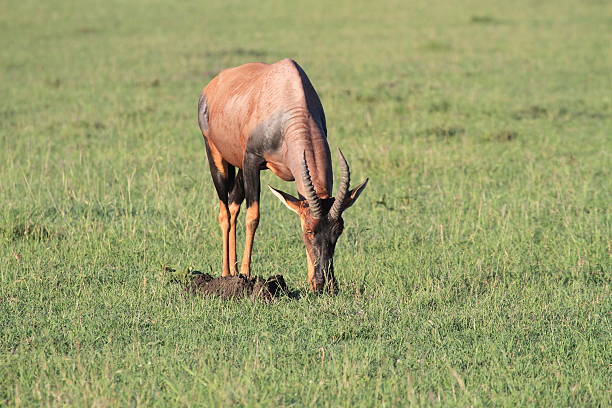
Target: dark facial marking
pixel 323 240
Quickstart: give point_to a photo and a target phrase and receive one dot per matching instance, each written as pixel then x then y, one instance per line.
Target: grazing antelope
pixel 268 116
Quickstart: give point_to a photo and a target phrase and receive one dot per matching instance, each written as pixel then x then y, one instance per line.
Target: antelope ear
pixel 290 201
pixel 354 194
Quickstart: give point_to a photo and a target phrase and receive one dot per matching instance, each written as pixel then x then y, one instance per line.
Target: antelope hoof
pixel 330 287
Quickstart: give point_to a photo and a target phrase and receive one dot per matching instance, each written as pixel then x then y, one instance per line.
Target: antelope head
pixel 322 223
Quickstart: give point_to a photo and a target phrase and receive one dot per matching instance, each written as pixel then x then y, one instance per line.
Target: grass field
pixel 474 270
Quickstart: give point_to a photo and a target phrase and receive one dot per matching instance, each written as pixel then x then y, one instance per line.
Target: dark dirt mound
pixel 236 287
pixel 229 287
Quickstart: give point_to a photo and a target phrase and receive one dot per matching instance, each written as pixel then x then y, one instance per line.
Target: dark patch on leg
pixel 267 136
pixel 236 195
pixel 250 173
pixel 222 181
pixel 252 188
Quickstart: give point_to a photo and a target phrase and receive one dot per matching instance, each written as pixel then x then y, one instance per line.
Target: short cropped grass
pixel 474 270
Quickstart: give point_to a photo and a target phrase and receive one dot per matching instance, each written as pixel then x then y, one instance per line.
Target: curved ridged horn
pixel 345 181
pixel 311 195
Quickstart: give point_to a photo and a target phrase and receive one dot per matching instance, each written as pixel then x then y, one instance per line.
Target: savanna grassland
pixel 474 270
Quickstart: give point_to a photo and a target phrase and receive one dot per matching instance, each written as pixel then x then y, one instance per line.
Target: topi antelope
pixel 268 116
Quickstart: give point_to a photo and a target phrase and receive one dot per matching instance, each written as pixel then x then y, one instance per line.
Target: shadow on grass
pixel 29 230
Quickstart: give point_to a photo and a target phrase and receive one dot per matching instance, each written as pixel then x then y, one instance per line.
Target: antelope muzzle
pixel 324 279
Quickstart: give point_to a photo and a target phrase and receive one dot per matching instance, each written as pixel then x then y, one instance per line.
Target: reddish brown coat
pixel 241 99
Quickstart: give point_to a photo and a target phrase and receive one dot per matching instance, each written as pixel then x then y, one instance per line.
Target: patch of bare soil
pixel 229 287
pixel 237 287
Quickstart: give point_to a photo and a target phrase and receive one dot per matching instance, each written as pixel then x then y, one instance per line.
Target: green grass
pixel 474 270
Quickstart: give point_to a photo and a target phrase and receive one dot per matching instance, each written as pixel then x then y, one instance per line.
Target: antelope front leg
pixel 234 210
pixel 251 190
pixel 236 197
pixel 224 223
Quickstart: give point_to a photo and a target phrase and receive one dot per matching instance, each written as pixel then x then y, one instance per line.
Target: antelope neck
pixel 318 161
